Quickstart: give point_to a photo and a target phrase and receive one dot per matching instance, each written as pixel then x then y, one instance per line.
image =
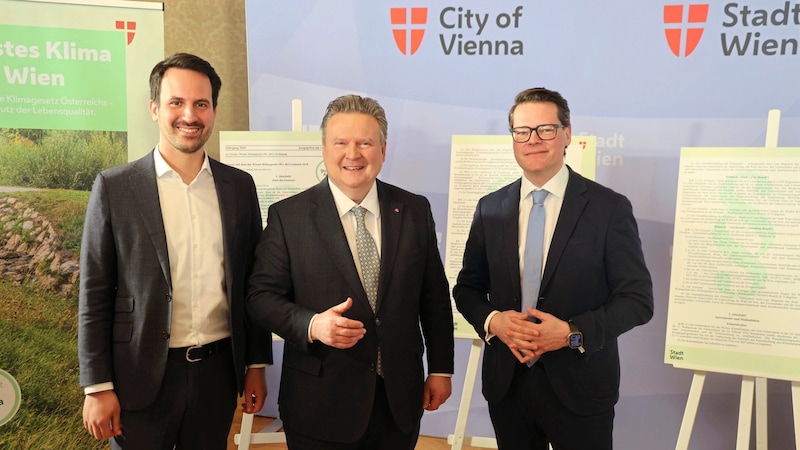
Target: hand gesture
pixel 333 329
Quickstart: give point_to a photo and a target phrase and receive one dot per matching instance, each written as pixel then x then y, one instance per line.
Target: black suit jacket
pixel 595 275
pixel 304 266
pixel 125 295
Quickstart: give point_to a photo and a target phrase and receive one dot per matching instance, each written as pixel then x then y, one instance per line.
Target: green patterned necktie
pixel 370 264
pixel 367 258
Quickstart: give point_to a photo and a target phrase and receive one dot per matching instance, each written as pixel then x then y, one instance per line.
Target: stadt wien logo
pixel 408 28
pixel 129 27
pixel 684 18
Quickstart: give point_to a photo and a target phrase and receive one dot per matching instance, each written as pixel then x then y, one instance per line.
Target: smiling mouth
pixel 188 128
pixel 352 168
pixel 535 153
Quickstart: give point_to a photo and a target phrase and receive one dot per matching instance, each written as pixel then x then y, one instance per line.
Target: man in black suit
pixel 351 314
pixel 167 246
pixel 551 369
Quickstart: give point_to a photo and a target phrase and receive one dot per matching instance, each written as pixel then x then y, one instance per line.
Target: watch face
pixel 575 340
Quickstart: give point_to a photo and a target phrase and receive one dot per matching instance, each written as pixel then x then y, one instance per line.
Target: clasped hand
pixel 333 329
pixel 527 339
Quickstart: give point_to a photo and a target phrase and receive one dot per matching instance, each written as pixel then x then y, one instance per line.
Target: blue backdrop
pixel 441 68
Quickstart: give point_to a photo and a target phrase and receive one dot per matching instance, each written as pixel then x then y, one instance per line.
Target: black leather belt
pixel 197 353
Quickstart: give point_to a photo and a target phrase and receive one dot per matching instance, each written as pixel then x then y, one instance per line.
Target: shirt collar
pixel 163 168
pixel 555 186
pixel 344 204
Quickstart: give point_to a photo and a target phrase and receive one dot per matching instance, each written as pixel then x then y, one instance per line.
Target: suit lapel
pixel 227 209
pixel 571 210
pixel 510 220
pixel 145 192
pixel 329 228
pixel 392 212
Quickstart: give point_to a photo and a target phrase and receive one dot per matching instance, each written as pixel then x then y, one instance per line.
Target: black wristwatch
pixel 575 338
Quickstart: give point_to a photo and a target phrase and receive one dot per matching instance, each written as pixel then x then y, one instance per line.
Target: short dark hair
pixel 184 61
pixel 541 95
pixel 356 104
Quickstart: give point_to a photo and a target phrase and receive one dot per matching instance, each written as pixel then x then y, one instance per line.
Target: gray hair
pixel 356 104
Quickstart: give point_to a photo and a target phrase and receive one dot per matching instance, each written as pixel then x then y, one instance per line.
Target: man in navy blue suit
pixel 551 369
pixel 356 318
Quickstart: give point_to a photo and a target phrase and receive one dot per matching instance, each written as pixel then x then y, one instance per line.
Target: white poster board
pixel 734 301
pixel 282 163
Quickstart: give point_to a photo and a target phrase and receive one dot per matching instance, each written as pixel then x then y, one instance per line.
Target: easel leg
pixel 690 413
pixel 243 438
pixel 457 438
pixel 745 413
pixel 762 431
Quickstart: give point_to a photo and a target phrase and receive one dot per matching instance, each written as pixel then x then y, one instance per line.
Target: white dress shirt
pixel 193 225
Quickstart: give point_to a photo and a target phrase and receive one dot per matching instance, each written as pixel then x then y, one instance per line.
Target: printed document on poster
pixel 734 301
pixel 282 163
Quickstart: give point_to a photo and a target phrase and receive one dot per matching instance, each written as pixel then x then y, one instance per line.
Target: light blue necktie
pixel 370 264
pixel 534 251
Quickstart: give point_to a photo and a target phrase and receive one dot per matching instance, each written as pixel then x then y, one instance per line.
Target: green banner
pixel 62 79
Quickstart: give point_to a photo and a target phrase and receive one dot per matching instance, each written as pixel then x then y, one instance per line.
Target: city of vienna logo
pixel 128 26
pixel 408 28
pixel 674 20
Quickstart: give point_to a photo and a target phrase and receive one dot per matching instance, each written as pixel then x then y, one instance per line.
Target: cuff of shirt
pixel 311 322
pixel 446 375
pixel 100 387
pixel 486 325
pixel 257 366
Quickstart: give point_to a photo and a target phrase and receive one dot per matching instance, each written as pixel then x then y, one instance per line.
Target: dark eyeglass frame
pixel 531 130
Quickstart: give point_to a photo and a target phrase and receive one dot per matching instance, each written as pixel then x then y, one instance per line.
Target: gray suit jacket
pixel 595 275
pixel 125 305
pixel 304 266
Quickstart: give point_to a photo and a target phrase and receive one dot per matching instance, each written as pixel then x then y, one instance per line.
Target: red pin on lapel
pixel 397 210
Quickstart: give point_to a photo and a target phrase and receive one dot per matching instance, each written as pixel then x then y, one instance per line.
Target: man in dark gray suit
pixel 167 246
pixel 347 272
pixel 551 316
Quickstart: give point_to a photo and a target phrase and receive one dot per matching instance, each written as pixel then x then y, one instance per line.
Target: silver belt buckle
pixel 190 349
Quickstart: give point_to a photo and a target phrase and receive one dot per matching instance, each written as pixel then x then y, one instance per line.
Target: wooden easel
pixel 750 385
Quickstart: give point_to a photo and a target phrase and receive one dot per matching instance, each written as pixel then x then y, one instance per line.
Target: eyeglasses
pixel 545 132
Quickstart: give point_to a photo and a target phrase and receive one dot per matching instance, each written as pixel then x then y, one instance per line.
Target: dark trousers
pixel 381 434
pixel 193 410
pixel 531 417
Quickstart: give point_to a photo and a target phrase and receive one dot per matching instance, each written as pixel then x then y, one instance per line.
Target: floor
pixel 424 443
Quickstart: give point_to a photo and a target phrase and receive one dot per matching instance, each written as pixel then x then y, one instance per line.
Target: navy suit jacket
pixel 125 305
pixel 304 266
pixel 595 275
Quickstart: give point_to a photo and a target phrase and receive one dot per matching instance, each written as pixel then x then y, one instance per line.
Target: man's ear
pixel 154 110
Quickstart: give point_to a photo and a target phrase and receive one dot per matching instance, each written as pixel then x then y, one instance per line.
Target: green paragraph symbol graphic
pixel 743 234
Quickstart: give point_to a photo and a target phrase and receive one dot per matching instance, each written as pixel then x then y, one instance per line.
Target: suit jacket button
pixel 372 367
pixel 377 321
pixel 169 297
pixel 165 335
